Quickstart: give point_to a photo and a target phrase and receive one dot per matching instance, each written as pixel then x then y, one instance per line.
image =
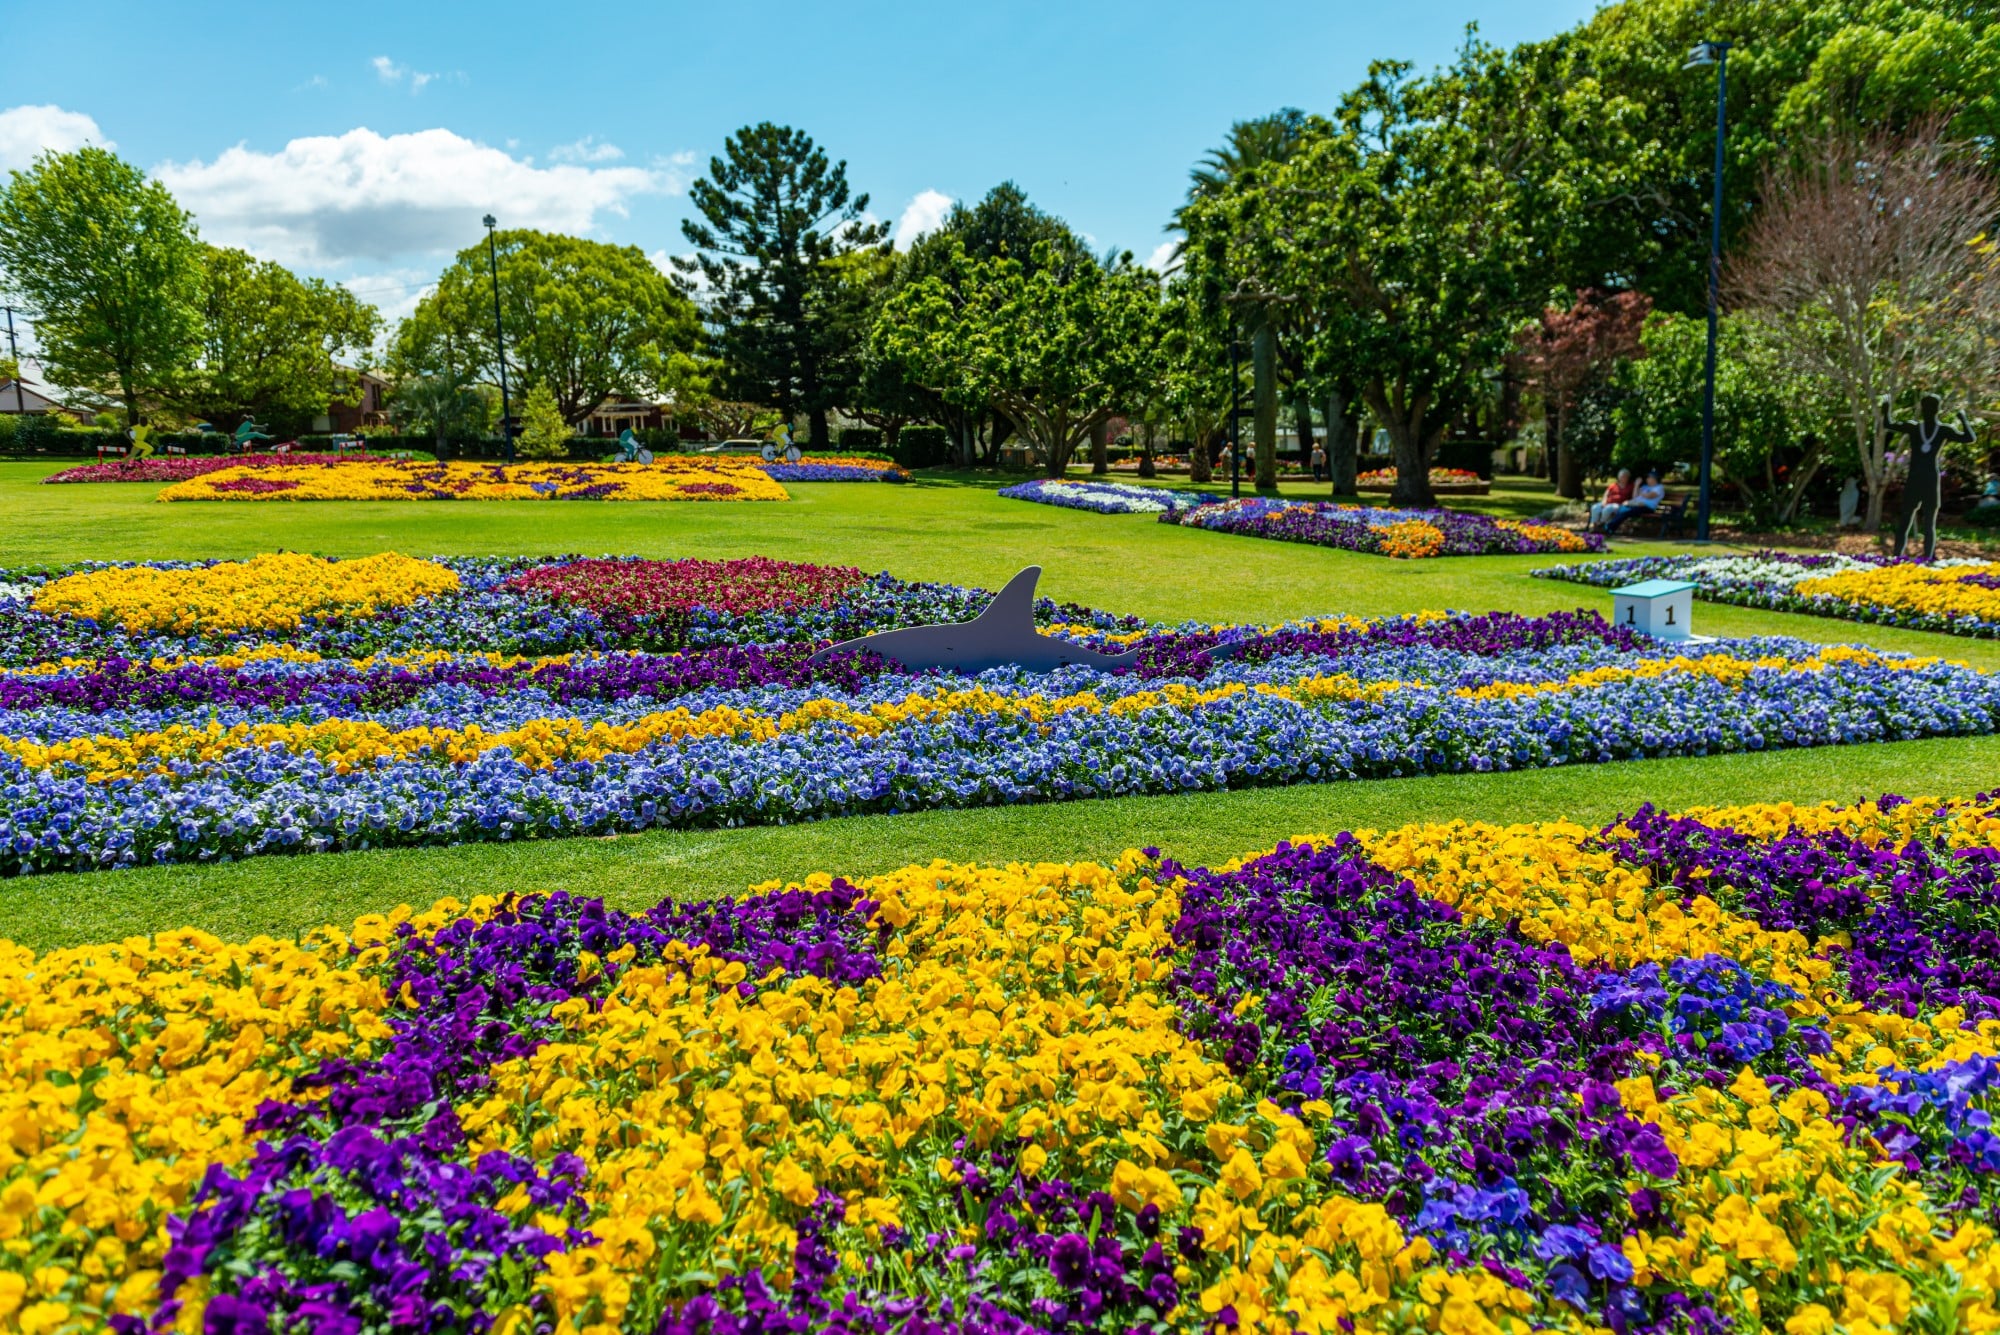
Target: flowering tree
pixel 1867 269
pixel 1567 351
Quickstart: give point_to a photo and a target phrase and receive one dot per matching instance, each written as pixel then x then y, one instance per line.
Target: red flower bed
pixel 673 589
pixel 259 486
pixel 181 467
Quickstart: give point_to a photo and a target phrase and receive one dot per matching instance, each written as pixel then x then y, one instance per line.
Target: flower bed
pixel 1105 498
pixel 673 478
pixel 1444 481
pixel 836 468
pixel 266 593
pixel 181 467
pixel 1383 532
pixel 538 700
pixel 1958 597
pixel 1674 1075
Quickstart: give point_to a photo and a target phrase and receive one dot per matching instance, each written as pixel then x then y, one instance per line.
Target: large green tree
pixel 1233 270
pixel 271 343
pixel 588 320
pixel 110 268
pixel 1421 219
pixel 1003 224
pixel 1058 349
pixel 1617 91
pixel 776 215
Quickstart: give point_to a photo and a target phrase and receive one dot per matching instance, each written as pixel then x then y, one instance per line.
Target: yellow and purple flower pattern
pixel 1730 1069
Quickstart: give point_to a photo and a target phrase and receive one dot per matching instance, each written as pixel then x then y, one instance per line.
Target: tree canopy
pixel 587 320
pixel 776 216
pixel 109 266
pixel 1056 346
pixel 271 343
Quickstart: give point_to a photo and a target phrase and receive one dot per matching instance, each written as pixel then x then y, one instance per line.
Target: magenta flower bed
pixel 181 467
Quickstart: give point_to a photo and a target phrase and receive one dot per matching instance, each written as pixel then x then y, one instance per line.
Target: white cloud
pixel 1162 259
pixel 388 71
pixel 26 132
pixel 586 149
pixel 333 200
pixel 673 169
pixel 924 212
pixel 394 292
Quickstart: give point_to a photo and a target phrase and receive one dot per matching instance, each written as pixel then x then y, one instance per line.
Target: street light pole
pixel 500 341
pixel 1716 54
pixel 1235 416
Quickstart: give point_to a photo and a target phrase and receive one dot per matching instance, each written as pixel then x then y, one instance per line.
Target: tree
pixel 439 405
pixel 588 320
pixel 1862 270
pixel 1058 350
pixel 1233 268
pixel 1003 224
pixel 271 343
pixel 544 430
pixel 1414 215
pixel 108 265
pixel 1775 431
pixel 1194 358
pixel 1569 350
pixel 775 214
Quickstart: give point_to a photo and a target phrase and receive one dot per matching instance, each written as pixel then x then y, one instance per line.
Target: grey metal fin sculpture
pixel 1004 635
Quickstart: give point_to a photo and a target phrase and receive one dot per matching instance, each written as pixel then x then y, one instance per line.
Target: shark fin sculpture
pixel 1004 635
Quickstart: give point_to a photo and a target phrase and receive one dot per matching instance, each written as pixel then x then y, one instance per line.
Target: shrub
pixel 853 438
pixel 1983 516
pixel 544 433
pixel 923 446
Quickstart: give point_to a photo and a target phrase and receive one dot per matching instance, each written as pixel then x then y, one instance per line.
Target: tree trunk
pixel 1302 409
pixel 1342 444
pixel 1411 441
pixel 1264 375
pixel 1878 499
pixel 1569 478
pixel 1200 469
pixel 1146 468
pixel 1100 449
pixel 817 429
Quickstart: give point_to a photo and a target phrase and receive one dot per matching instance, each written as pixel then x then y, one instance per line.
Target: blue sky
pixel 362 141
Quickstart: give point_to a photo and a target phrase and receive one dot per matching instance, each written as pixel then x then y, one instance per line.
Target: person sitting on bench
pixel 1616 493
pixel 1647 500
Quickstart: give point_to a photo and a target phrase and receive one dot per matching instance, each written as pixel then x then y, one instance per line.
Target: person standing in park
pixel 1923 492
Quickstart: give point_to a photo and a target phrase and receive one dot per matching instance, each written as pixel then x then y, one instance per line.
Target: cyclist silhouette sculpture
pixel 1924 491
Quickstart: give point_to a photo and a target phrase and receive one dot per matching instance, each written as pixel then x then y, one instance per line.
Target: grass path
pixel 283 895
pixel 944 528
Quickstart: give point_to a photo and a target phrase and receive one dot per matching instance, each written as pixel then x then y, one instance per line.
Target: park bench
pixel 1667 521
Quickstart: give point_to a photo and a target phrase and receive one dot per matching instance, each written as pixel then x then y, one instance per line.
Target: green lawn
pixel 948 527
pixel 283 895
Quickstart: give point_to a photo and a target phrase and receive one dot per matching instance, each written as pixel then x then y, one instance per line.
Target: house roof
pixel 28 401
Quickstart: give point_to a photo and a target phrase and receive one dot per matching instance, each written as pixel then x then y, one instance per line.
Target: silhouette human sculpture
pixel 1924 491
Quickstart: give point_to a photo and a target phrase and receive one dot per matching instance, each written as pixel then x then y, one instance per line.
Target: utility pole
pixel 20 403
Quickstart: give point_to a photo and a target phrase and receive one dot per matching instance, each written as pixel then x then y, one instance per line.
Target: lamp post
pixel 1716 54
pixel 500 341
pixel 1235 416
